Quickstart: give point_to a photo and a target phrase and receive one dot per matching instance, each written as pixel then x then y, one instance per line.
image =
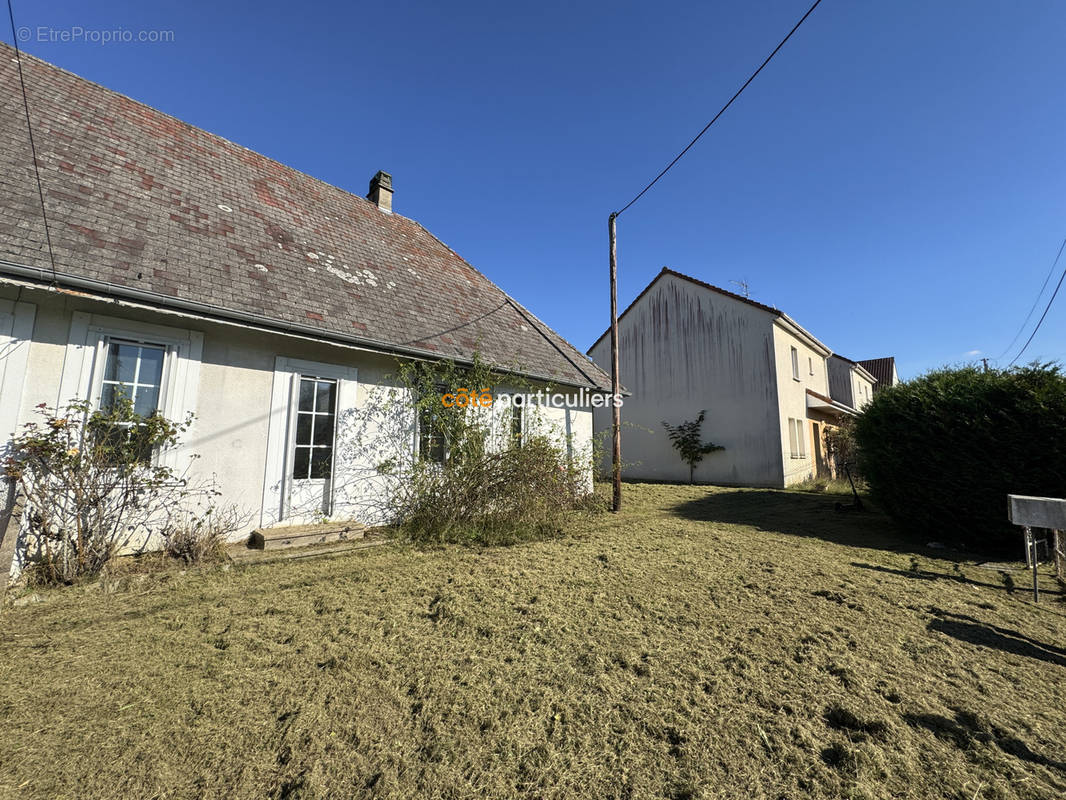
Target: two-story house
pixel 687 346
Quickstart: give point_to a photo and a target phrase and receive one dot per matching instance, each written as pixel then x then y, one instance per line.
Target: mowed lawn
pixel 705 643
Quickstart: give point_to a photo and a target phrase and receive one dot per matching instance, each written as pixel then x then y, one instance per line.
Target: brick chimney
pixel 381 191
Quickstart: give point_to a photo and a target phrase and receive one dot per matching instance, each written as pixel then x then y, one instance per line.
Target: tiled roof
pixel 881 368
pixel 144 202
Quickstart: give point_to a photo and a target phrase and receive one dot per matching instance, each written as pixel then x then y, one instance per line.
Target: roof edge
pixel 44 278
pixel 698 282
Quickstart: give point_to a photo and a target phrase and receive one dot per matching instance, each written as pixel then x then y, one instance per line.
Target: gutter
pixel 51 281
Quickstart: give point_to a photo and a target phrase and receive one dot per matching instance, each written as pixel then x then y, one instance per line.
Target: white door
pixel 311 449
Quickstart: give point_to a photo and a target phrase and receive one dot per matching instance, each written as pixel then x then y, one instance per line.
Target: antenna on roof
pixel 744 288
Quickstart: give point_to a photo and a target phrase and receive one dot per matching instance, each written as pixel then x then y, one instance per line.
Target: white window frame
pixel 797 438
pixel 795 364
pixel 86 357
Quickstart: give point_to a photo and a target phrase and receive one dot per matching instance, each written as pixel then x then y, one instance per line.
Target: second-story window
pixel 795 364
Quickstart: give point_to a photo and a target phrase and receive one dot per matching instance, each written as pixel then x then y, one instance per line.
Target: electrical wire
pixel 1036 302
pixel 33 147
pixel 1042 316
pixel 723 109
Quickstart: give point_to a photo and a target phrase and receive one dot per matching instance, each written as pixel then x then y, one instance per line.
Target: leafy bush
pixel 475 478
pixel 494 497
pixel 941 453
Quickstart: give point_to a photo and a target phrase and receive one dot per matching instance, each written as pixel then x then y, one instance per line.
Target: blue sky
pixel 892 180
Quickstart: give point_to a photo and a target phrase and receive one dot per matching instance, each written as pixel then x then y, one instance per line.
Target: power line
pixel 723 110
pixel 1041 320
pixel 1035 302
pixel 33 147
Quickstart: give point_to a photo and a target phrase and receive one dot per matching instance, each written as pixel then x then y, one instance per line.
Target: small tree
pixel 91 481
pixel 688 441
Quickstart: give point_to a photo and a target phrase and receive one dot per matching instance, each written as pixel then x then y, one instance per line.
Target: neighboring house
pixel 849 382
pixel 686 346
pixel 883 370
pixel 267 303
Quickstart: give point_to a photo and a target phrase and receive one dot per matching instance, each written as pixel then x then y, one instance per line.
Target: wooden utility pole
pixel 616 383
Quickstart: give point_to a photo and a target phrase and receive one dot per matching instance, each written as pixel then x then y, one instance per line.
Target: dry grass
pixel 705 643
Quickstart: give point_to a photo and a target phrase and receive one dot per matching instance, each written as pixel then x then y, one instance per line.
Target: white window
pixel 797 438
pixel 155 367
pixel 810 364
pixel 133 371
pixel 431 444
pixel 316 415
pixel 795 364
pixel 516 425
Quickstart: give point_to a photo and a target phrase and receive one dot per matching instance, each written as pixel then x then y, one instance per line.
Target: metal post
pixel 1030 552
pixel 616 384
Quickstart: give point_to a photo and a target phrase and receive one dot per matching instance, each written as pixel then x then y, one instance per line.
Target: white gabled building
pixel 687 346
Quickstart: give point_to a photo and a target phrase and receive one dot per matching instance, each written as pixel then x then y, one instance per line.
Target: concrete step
pixel 302 535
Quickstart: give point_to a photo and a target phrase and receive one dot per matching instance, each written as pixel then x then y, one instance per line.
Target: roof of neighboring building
pixel 883 369
pixel 141 202
pixel 799 329
pixel 859 367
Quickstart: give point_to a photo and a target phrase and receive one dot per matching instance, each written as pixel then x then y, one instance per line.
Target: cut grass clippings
pixel 704 643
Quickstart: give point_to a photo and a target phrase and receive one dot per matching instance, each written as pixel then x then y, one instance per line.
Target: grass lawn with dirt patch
pixel 704 643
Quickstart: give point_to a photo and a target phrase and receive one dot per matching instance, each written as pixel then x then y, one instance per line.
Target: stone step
pixel 301 535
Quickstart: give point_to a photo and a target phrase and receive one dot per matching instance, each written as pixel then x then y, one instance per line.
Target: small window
pixel 810 364
pixel 516 425
pixel 797 438
pixel 134 372
pixel 795 364
pixel 430 436
pixel 316 415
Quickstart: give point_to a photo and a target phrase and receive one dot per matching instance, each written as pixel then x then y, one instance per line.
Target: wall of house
pixel 792 397
pixel 841 380
pixel 238 386
pixel 685 348
pixel 863 389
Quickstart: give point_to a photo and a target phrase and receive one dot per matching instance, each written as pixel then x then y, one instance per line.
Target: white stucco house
pixel 217 282
pixel 763 379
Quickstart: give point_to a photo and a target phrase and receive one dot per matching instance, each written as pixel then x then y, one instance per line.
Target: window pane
pixel 516 424
pixel 151 366
pixel 303 429
pixel 323 429
pixel 121 362
pixel 320 461
pixel 146 400
pixel 300 462
pixel 326 392
pixel 112 394
pixel 307 394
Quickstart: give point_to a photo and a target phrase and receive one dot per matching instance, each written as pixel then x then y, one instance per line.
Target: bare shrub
pixel 92 481
pixel 202 539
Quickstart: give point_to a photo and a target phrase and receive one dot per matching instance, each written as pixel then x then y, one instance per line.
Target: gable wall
pixel 685 348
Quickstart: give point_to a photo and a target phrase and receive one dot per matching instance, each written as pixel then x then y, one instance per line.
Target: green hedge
pixel 942 452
